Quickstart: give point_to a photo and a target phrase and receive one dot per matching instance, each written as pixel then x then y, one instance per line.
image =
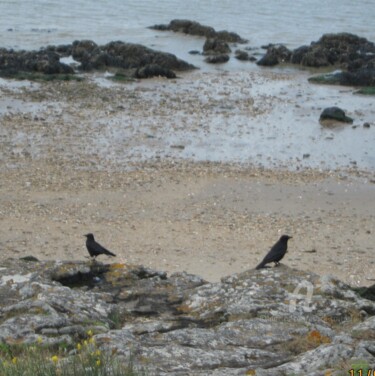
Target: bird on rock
pixel 276 253
pixel 94 248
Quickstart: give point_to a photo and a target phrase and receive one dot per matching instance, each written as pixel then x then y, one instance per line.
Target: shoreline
pixel 123 162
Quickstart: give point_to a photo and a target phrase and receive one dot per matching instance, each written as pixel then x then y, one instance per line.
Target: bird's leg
pixel 277 263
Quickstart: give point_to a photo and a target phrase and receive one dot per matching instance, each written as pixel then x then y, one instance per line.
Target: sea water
pixel 30 24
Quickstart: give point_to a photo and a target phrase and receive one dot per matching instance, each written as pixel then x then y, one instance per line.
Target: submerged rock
pixel 217 59
pixel 272 321
pixel 244 56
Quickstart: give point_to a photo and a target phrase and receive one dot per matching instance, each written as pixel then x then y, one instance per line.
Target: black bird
pixel 276 253
pixel 94 248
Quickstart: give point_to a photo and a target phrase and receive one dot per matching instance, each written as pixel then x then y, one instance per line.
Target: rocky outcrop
pixel 133 59
pixel 353 54
pixel 275 321
pixel 127 56
pixel 342 49
pixel 46 62
pixel 195 28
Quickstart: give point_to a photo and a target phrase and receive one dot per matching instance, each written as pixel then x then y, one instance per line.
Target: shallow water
pixel 286 134
pixel 280 129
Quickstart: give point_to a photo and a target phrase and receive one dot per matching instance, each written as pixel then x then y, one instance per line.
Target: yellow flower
pixel 39 340
pixel 79 346
pixel 14 360
pixel 55 359
pixel 97 353
pixel 91 340
pixel 98 363
pixel 90 333
pixel 85 343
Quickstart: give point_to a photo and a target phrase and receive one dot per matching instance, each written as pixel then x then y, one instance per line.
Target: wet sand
pixel 78 158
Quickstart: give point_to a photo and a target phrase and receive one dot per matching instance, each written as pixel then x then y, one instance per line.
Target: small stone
pixel 366 125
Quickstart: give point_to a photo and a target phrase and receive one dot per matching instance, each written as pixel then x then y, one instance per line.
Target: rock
pixel 195 28
pixel 367 292
pixel 214 46
pixel 361 77
pixel 82 50
pixel 334 114
pixel 127 56
pixel 154 70
pixel 343 49
pixel 43 61
pixel 217 59
pixel 244 56
pixel 274 321
pixel 275 55
pixel 366 125
pixel 134 59
pixel 353 54
pixel 298 54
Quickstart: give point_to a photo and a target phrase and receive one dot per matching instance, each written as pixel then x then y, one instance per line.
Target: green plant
pixel 86 359
pixel 370 90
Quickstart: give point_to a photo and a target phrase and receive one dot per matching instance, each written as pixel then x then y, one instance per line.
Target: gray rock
pixel 275 321
pixel 217 59
pixel 214 46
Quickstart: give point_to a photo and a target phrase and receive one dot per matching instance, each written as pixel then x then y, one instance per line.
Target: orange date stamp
pixel 361 372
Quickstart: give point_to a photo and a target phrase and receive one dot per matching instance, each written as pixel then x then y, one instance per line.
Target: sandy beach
pixel 145 191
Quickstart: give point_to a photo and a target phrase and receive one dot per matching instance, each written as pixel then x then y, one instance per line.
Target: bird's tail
pixel 109 253
pixel 261 265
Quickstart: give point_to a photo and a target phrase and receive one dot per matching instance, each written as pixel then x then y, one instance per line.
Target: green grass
pixel 327 79
pixel 86 359
pixel 370 90
pixel 121 77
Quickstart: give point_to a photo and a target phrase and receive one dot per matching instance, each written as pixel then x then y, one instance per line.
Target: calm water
pixel 31 24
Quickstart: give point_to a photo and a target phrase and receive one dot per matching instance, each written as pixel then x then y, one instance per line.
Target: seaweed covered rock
pixel 340 49
pixel 43 61
pixel 333 115
pixel 362 77
pixel 275 55
pixel 195 28
pixel 214 46
pixel 136 60
pixel 124 55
